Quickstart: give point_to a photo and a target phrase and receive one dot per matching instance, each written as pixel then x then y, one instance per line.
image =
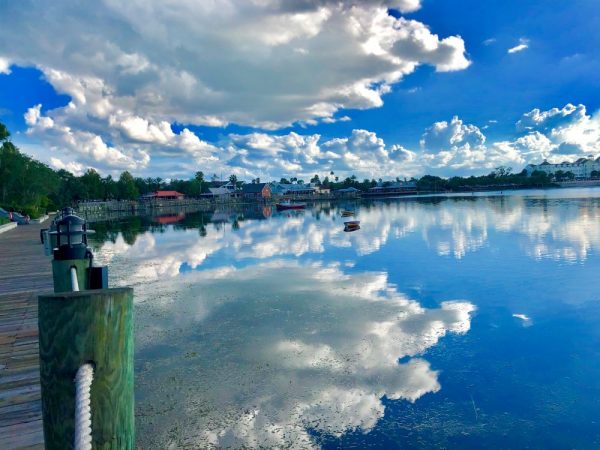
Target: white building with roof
pixel 582 168
pixel 289 189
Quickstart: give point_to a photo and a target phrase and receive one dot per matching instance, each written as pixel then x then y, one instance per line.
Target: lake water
pixel 459 322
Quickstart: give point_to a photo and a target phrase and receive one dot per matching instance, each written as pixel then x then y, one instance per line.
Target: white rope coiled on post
pixel 74 281
pixel 83 412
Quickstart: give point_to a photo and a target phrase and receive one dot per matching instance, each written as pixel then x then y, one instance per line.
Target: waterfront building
pixel 289 189
pixel 163 195
pixel 393 188
pixel 582 168
pixel 223 185
pixel 347 192
pixel 320 189
pixel 221 190
pixel 256 190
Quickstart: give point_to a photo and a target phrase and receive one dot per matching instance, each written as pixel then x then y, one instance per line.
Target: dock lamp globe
pixel 68 211
pixel 71 238
pixel 72 267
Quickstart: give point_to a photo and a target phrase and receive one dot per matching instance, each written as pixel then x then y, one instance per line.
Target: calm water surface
pixel 461 322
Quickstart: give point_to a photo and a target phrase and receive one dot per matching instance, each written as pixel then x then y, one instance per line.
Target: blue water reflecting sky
pixel 466 321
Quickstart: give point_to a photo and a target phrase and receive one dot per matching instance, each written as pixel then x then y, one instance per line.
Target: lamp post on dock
pixel 85 324
pixel 72 257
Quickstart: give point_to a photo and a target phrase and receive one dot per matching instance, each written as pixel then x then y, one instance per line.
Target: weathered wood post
pixel 85 327
pixel 79 327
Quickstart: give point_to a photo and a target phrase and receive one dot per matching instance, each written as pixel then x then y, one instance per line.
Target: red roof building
pixel 168 195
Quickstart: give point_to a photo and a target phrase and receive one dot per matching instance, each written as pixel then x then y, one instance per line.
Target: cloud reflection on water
pixel 280 348
pixel 268 332
pixel 542 228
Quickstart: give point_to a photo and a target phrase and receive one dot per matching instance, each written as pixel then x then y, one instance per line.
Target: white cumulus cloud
pixel 133 69
pixel 225 61
pixel 569 131
pixel 4 66
pixel 523 45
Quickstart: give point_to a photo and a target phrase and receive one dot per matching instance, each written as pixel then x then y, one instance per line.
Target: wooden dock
pixel 24 273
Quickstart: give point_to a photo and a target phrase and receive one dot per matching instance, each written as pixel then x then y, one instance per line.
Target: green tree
pixel 111 189
pixel 200 183
pixel 432 183
pixel 92 185
pixel 127 189
pixel 4 134
pixel 233 179
pixel 26 185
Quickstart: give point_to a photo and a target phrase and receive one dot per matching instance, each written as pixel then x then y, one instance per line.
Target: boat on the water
pixel 352 225
pixel 288 205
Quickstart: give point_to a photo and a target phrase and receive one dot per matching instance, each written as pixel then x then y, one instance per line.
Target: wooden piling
pixel 61 272
pixel 80 327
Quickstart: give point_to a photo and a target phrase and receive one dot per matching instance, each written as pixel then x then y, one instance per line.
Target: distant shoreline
pixel 100 211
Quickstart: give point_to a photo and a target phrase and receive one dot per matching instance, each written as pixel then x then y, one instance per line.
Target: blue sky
pixel 282 88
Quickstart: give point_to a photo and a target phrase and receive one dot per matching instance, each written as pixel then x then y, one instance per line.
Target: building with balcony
pixel 582 168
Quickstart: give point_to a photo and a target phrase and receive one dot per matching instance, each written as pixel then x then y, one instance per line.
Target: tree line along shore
pixel 31 187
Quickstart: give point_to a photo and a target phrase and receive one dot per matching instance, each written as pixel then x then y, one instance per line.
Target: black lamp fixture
pixel 71 238
pixel 68 211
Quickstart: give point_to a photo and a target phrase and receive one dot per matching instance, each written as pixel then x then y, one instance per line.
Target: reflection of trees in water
pixel 132 227
pixel 456 225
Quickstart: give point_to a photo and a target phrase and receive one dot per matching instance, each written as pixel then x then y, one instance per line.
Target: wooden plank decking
pixel 24 273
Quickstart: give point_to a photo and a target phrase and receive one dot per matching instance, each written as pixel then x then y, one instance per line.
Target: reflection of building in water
pixel 559 229
pixel 253 212
pixel 220 216
pixel 582 168
pixel 169 218
pixel 267 211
